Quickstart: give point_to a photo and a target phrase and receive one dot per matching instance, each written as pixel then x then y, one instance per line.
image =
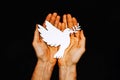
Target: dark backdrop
pixel 100 21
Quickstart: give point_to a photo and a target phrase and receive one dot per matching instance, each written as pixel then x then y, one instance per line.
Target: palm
pixel 73 52
pixel 45 52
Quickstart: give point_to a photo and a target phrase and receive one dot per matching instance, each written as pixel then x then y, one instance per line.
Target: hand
pixel 44 52
pixel 45 64
pixel 67 64
pixel 77 44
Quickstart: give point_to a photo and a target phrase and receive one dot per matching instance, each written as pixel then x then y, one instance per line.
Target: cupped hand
pixel 77 43
pixel 43 51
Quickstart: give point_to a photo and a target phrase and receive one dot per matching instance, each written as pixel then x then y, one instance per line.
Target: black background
pixel 100 21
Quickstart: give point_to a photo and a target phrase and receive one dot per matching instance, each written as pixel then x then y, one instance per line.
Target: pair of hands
pixel 72 54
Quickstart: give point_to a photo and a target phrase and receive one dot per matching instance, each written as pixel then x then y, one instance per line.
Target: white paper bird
pixel 54 37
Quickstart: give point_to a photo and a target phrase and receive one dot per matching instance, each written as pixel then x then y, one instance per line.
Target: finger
pixel 77 34
pixel 59 25
pixel 70 24
pixel 62 27
pixel 74 21
pixel 69 21
pixel 53 18
pixel 82 35
pixel 82 39
pixel 72 35
pixel 47 18
pixel 36 34
pixel 65 20
pixel 57 21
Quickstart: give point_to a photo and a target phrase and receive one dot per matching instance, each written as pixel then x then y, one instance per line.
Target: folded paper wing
pixel 51 35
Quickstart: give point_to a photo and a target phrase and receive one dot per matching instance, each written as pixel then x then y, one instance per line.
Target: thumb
pixel 82 39
pixel 82 35
pixel 36 34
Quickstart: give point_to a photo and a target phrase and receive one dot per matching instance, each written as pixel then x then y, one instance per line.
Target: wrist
pixel 68 67
pixel 67 72
pixel 45 63
pixel 43 70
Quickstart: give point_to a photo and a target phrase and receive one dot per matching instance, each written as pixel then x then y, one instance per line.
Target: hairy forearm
pixel 42 71
pixel 67 72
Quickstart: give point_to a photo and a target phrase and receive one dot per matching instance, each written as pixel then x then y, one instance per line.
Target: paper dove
pixel 54 37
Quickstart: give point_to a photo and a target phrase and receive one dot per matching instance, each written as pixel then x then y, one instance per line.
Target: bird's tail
pixel 59 54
